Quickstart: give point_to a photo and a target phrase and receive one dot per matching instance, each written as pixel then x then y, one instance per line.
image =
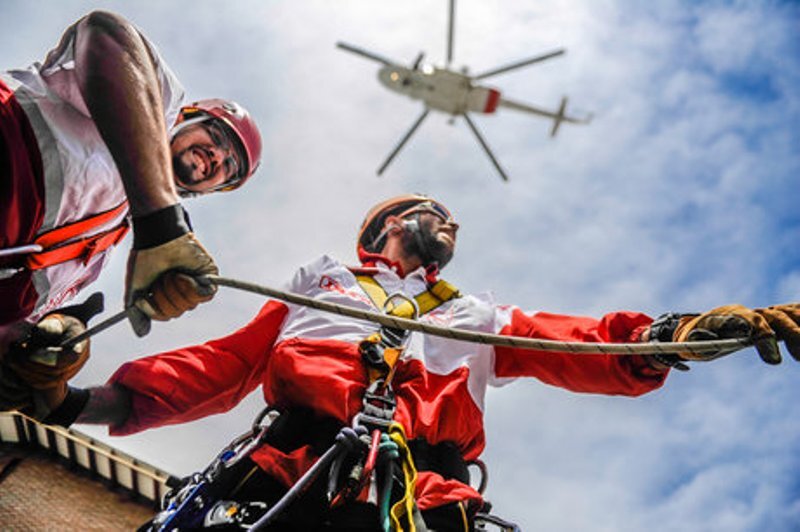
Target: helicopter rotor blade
pixel 364 53
pixel 451 17
pixel 485 147
pixel 519 64
pixel 403 141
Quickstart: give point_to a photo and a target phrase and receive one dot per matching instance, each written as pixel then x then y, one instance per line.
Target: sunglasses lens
pixel 219 135
pixel 221 138
pixel 441 211
pixel 431 207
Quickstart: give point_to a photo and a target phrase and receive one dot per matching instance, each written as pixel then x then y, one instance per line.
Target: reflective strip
pixel 51 161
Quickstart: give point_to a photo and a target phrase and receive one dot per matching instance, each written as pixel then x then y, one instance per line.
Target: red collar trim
pixel 369 265
pixel 431 273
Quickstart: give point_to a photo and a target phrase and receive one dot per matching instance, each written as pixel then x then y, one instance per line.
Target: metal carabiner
pixel 399 295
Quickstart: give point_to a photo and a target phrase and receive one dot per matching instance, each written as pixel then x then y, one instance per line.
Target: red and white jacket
pixel 80 176
pixel 307 358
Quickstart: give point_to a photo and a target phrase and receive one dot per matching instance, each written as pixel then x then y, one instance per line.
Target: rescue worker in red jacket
pixel 94 139
pixel 317 369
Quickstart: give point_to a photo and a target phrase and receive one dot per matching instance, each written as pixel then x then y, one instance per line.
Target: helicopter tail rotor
pixel 560 115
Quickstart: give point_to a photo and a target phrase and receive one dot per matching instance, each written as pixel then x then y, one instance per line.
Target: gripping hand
pixel 161 281
pixel 731 321
pixel 784 320
pixel 38 368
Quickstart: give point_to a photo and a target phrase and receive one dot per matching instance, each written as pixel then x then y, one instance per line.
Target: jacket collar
pixel 372 263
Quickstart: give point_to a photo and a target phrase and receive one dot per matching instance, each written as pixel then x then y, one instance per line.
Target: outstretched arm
pixel 630 375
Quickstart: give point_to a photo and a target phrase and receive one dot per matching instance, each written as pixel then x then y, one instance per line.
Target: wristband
pixel 69 410
pixel 663 330
pixel 160 227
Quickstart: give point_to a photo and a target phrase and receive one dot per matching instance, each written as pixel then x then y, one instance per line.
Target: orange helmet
pixel 239 121
pixel 371 232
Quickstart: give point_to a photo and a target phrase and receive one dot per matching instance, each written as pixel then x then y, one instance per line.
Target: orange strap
pixel 66 243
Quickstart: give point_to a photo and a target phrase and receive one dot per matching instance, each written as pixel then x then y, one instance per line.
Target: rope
pixel 346 439
pixel 576 348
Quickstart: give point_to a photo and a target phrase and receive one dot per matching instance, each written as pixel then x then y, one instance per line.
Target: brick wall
pixel 40 493
pixel 62 480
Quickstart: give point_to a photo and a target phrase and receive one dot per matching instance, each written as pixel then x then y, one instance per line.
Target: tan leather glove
pixel 784 320
pixel 43 367
pixel 160 280
pixel 730 321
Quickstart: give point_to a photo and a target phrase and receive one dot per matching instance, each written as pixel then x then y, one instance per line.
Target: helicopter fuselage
pixel 440 89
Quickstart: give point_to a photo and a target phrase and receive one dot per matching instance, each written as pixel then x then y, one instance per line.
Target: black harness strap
pixel 443 458
pixel 297 427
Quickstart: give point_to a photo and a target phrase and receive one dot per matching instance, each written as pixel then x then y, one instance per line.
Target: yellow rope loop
pixel 402 511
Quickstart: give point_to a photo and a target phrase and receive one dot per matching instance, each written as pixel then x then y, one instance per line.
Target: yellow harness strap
pixel 403 511
pixel 404 516
pixel 440 292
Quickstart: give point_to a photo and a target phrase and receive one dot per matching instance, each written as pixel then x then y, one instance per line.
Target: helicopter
pixel 456 92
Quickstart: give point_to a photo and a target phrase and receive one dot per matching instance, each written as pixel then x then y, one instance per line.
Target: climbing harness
pixel 380 353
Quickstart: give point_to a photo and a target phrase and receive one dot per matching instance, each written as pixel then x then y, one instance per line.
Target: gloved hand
pixel 43 367
pixel 34 371
pixel 160 281
pixel 784 320
pixel 731 321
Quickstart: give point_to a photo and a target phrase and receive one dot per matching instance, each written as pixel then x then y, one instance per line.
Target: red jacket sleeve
pixel 604 374
pixel 193 382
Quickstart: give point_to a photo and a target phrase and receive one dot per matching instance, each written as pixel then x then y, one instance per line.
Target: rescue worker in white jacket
pixel 85 151
pixel 319 370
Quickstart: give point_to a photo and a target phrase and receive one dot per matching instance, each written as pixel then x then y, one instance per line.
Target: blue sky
pixel 680 196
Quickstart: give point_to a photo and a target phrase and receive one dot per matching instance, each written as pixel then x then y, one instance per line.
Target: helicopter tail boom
pixel 558 117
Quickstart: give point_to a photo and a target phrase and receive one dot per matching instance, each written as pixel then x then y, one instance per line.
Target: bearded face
pixel 427 242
